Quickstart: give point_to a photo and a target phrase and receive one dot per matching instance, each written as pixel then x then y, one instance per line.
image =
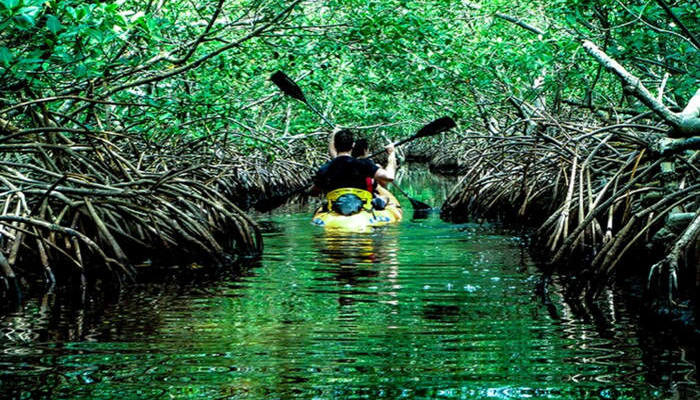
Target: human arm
pixel 331 145
pixel 387 174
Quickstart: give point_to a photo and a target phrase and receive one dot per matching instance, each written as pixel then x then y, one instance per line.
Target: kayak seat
pixel 348 201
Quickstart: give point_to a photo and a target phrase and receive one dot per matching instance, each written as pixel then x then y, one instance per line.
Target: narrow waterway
pixel 422 310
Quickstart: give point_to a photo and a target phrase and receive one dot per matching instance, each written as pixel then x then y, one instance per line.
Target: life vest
pixel 364 196
pixel 371 184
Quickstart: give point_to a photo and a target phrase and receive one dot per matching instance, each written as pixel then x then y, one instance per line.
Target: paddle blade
pixel 287 85
pixel 418 205
pixel 439 125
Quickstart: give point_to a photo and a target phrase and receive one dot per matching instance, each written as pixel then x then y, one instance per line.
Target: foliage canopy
pixel 201 68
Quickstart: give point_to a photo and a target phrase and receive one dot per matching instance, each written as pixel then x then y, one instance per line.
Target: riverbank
pixel 601 208
pixel 109 206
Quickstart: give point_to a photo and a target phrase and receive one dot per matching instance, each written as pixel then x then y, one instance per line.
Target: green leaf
pixel 137 16
pixel 10 4
pixel 71 11
pixel 25 21
pixel 152 25
pixel 81 13
pixel 62 54
pixel 95 34
pixel 53 23
pixel 5 56
pixel 80 70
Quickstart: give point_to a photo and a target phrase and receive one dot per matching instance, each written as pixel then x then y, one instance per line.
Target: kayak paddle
pixel 433 128
pixel 417 205
pixel 291 89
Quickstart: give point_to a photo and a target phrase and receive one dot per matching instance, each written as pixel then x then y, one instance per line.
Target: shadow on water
pixel 418 215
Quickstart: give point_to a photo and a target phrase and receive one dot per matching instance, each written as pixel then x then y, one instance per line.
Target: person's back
pixel 345 171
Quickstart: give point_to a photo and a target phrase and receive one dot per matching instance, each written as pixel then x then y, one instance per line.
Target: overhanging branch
pixel 679 23
pixel 685 123
pixel 511 19
pixel 199 61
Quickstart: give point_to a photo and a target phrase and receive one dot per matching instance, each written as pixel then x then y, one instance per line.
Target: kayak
pixel 362 221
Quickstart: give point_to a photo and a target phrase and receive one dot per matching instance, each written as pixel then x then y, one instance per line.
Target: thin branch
pixel 199 61
pixel 512 19
pixel 204 34
pixel 678 23
pixel 86 99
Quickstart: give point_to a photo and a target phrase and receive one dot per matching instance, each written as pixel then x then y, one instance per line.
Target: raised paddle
pixel 433 128
pixel 439 125
pixel 291 89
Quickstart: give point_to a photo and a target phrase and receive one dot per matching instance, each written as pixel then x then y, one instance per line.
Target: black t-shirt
pixel 345 172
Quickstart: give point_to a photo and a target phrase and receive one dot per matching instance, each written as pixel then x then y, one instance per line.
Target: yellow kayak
pixel 362 221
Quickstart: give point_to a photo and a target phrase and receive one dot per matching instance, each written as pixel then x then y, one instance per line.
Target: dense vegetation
pixel 142 124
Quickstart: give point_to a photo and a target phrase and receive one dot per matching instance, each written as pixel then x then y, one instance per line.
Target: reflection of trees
pixel 336 316
pixel 425 186
pixel 44 346
pixel 353 260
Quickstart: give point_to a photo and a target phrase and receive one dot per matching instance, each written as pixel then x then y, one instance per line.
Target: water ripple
pixel 426 310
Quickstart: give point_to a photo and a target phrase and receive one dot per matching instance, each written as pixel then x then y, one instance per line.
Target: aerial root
pixel 92 202
pixel 595 194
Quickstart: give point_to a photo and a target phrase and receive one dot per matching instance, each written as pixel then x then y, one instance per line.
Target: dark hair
pixel 360 148
pixel 343 140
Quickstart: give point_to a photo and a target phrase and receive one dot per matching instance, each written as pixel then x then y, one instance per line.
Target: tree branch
pixel 685 123
pixel 78 98
pixel 6 127
pixel 678 145
pixel 199 61
pixel 204 34
pixel 678 22
pixel 512 19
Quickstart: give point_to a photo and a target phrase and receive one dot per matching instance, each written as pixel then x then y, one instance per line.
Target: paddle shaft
pixel 323 117
pixel 290 88
pixel 396 144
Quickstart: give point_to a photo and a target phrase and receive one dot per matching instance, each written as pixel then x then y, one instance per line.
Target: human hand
pixel 390 149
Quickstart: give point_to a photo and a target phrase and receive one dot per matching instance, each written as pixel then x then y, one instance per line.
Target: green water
pixel 422 310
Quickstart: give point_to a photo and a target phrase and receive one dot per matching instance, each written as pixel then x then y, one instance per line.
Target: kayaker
pixel 345 171
pixel 361 150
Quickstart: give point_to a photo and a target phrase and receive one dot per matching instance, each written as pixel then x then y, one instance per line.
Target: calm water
pixel 424 310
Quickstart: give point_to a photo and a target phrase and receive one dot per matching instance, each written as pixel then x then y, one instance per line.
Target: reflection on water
pixel 423 310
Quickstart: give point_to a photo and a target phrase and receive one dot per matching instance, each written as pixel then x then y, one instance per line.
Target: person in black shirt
pixel 361 150
pixel 345 171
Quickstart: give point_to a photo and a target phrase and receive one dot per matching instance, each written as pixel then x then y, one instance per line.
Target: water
pixel 423 310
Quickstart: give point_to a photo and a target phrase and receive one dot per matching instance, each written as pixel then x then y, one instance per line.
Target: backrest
pixel 364 195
